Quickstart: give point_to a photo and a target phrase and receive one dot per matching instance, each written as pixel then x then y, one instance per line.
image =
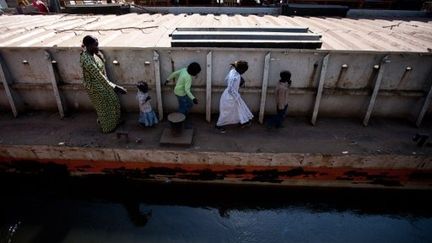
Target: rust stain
pixel 404 77
pixel 372 78
pixel 218 172
pixel 312 76
pixel 421 175
pixel 341 75
pixel 353 173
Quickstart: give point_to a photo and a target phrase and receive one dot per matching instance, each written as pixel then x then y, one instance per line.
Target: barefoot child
pixel 147 116
pixel 281 94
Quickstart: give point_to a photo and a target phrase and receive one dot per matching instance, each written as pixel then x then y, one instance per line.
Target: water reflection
pixel 99 210
pixel 107 222
pixel 136 215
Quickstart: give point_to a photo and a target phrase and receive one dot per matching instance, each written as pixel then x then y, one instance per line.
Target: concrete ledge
pixel 42 152
pixel 284 169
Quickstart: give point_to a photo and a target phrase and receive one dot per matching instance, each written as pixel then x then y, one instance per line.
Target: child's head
pixel 193 69
pixel 285 76
pixel 142 86
pixel 240 66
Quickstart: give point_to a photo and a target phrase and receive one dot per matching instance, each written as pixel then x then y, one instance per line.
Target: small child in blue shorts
pixel 147 116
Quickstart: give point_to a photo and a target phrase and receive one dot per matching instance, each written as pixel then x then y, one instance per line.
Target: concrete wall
pixel 348 82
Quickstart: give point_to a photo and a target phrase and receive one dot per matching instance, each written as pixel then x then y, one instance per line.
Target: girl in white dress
pixel 232 108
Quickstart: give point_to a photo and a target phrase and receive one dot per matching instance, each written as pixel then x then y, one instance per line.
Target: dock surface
pixel 329 136
pixel 336 153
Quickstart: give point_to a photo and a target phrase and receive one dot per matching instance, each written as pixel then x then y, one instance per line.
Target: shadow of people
pixel 223 212
pixel 54 230
pixel 137 217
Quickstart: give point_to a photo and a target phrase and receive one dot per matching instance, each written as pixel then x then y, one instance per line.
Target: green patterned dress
pixel 100 91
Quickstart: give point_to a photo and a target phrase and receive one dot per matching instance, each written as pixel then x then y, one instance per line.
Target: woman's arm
pixel 90 66
pixel 233 84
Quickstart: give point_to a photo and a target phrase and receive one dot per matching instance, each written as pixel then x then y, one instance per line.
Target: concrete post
pixel 375 91
pixel 158 84
pixel 320 88
pixel 264 87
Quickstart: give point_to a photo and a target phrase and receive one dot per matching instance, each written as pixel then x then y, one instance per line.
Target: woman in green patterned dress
pixel 100 90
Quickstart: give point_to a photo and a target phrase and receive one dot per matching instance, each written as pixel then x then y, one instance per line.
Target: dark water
pixel 96 209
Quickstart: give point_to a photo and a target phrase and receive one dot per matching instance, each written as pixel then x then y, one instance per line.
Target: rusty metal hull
pixel 287 169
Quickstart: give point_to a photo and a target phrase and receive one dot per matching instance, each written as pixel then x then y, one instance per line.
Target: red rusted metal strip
pixel 230 173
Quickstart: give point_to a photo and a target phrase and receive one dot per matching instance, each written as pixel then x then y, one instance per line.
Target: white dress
pixel 232 108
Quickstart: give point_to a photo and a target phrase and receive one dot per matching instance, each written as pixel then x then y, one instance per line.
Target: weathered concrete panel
pixel 77 99
pixel 38 99
pixel 407 72
pixel 68 64
pixel 350 70
pixel 132 65
pixel 343 105
pixel 27 65
pixel 348 83
pixel 252 99
pixel 4 104
pixel 223 59
pixel 300 64
pixel 386 106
